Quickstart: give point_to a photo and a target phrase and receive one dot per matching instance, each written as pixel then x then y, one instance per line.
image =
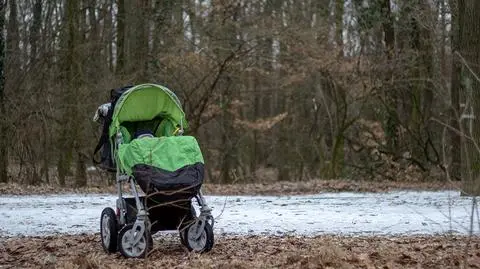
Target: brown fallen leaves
pixel 318 186
pixel 84 251
pixel 270 188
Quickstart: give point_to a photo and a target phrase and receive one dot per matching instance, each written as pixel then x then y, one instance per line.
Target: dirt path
pixel 84 251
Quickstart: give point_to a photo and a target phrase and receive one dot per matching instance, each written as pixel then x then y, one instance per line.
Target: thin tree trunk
pixel 470 53
pixel 390 95
pixel 45 168
pixel 339 10
pixel 69 130
pixel 121 16
pixel 35 30
pixel 3 115
pixel 13 48
pixel 455 88
pixel 141 43
pixel 108 36
pixel 443 25
pixel 11 73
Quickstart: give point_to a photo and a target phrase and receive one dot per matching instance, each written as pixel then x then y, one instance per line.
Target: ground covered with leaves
pixel 84 251
pixel 267 188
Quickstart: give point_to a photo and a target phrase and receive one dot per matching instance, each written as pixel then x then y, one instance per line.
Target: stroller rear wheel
pixel 108 230
pixel 202 242
pixel 129 248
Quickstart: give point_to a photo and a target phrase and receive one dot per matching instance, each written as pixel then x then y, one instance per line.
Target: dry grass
pixel 267 188
pixel 84 251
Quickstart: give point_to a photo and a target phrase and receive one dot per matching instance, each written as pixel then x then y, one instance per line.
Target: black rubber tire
pixel 209 239
pixel 147 236
pixel 111 246
pixel 193 213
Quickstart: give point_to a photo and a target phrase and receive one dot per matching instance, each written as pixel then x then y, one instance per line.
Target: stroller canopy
pixel 145 102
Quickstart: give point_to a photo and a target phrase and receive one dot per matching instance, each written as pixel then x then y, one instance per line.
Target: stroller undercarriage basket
pixel 169 194
pixel 180 214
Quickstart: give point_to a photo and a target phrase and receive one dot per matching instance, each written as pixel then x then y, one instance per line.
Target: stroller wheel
pixel 193 215
pixel 198 243
pixel 130 249
pixel 108 230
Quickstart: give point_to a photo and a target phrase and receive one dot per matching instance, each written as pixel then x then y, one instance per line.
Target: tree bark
pixel 140 52
pixel 3 115
pixel 455 89
pixel 120 37
pixel 391 98
pixel 469 19
pixel 35 30
pixel 70 118
pixel 339 10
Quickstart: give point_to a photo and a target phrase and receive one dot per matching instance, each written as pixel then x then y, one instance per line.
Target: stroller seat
pixel 158 127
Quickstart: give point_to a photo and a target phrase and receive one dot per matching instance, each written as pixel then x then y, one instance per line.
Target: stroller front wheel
pixel 130 249
pixel 202 243
pixel 108 230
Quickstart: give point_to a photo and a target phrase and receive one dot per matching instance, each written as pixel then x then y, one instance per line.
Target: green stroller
pixel 143 142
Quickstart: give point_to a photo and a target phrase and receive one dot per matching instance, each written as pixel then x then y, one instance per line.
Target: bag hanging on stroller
pixel 104 115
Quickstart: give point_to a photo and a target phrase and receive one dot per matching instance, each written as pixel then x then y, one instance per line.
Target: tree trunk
pixel 70 122
pixel 339 10
pixel 421 67
pixel 3 118
pixel 120 37
pixel 443 38
pixel 35 30
pixel 81 171
pixel 391 98
pixel 469 19
pixel 108 36
pixel 140 52
pixel 455 89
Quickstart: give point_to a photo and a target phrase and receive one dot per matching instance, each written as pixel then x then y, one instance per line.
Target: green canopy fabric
pixel 145 102
pixel 167 153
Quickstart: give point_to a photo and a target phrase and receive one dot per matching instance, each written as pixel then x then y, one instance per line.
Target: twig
pixel 226 198
pixel 465 63
pixel 470 233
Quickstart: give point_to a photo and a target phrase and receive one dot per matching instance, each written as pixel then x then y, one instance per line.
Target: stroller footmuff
pixel 149 150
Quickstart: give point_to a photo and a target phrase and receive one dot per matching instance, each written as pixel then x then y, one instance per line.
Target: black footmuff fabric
pixel 182 183
pixel 169 194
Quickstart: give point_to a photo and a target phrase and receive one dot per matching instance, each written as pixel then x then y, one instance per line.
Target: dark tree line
pixel 274 90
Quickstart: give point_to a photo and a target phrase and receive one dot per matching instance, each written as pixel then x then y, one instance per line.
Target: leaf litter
pixel 85 252
pixel 263 188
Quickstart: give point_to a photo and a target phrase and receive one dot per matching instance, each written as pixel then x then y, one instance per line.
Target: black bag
pixel 106 160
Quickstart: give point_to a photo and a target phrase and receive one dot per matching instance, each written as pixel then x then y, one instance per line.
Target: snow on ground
pixel 392 213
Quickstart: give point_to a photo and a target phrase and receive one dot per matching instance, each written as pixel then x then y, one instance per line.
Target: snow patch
pixel 393 213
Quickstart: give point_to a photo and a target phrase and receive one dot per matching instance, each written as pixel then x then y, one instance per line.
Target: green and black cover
pixel 163 163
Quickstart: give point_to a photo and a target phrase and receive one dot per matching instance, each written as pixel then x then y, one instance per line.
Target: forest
pixel 274 90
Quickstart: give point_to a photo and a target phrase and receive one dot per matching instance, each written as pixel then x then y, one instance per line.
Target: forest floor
pixel 251 251
pixel 85 251
pixel 267 188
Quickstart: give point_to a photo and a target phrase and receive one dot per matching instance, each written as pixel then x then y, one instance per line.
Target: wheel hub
pixel 196 242
pixel 129 247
